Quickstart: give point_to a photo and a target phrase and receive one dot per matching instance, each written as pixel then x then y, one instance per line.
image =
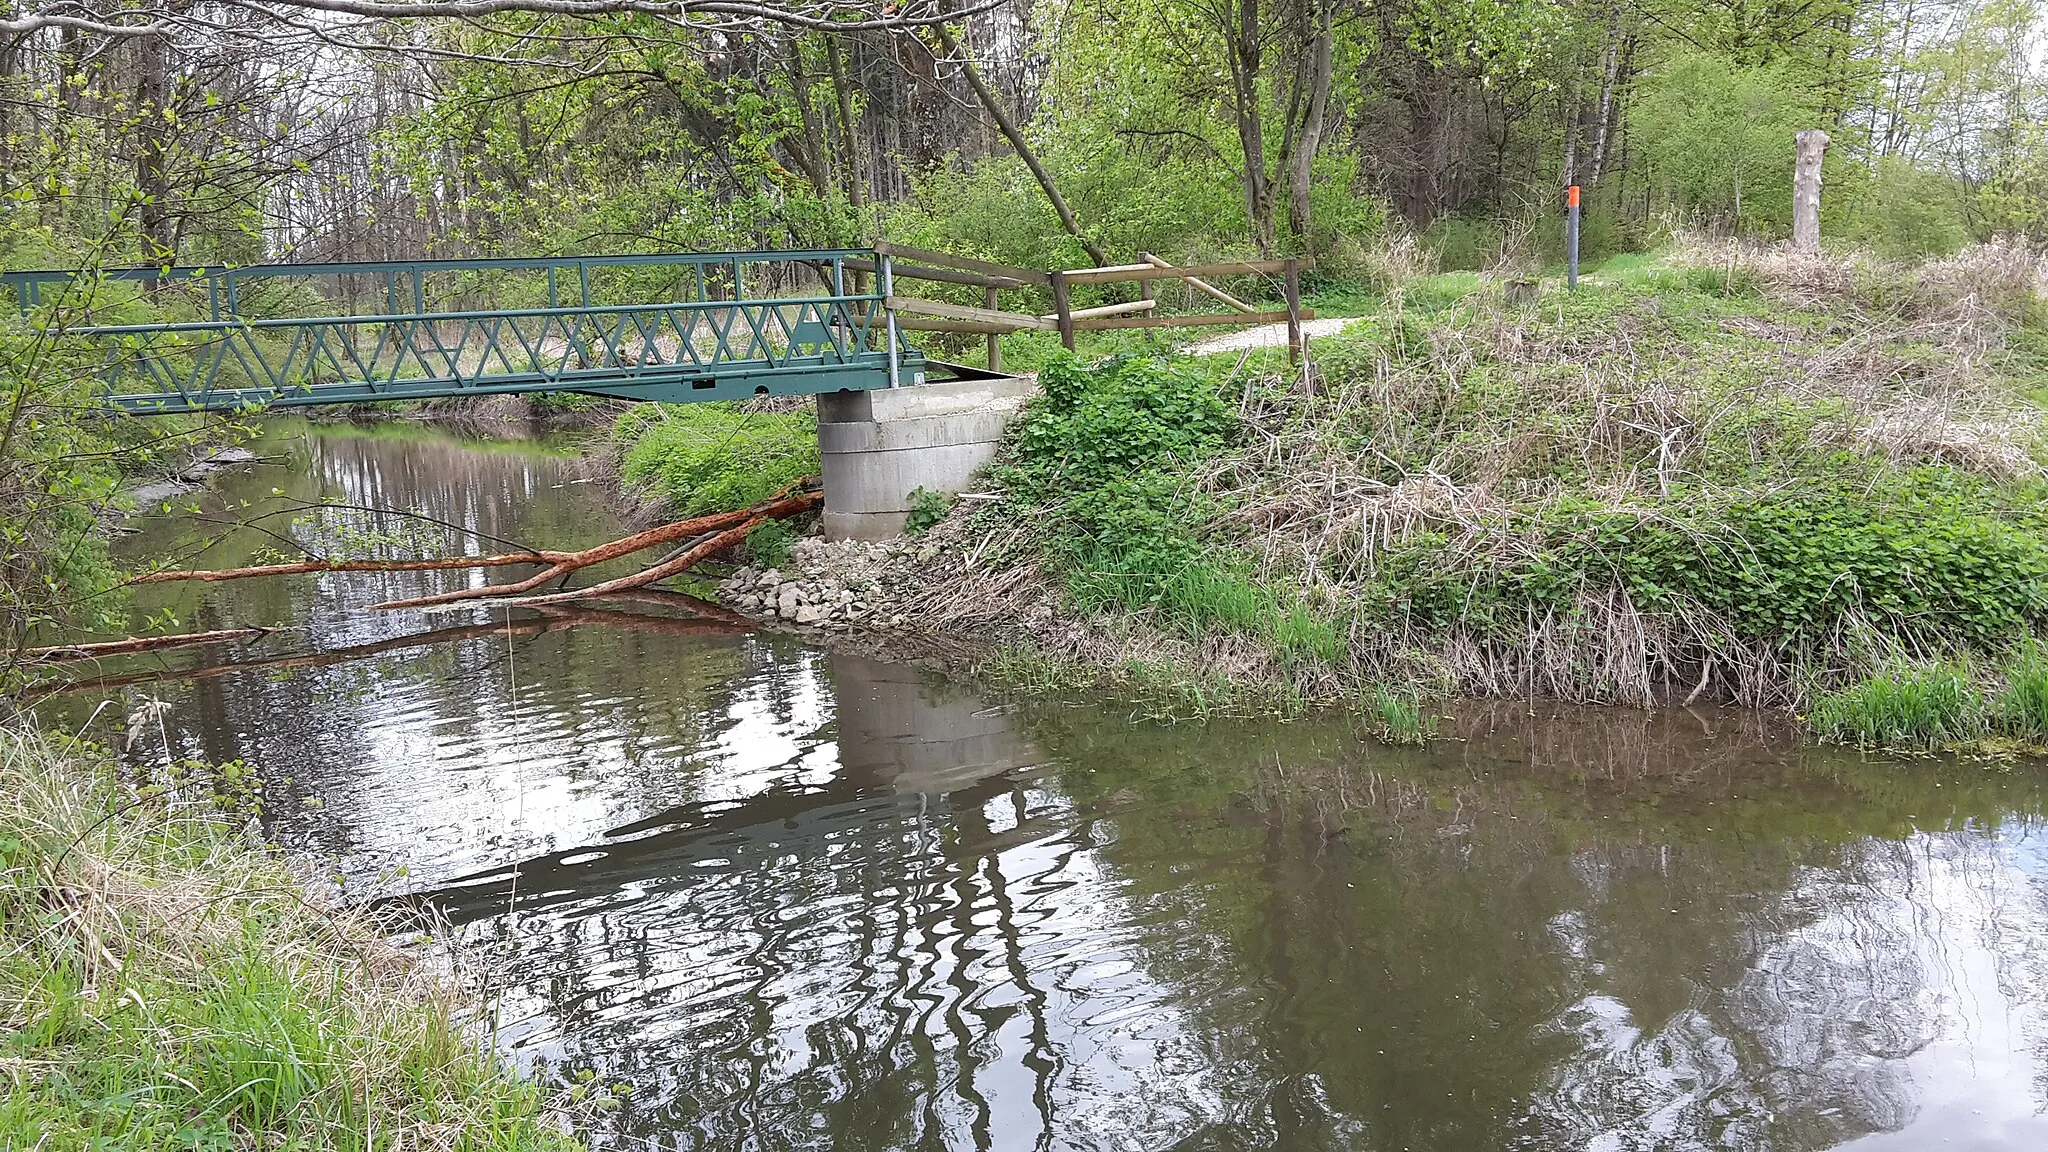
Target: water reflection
pixel 1094 935
pixel 910 941
pixel 799 899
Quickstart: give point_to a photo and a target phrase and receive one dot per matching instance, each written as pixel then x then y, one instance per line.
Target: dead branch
pixel 778 510
pixel 559 564
pixel 103 19
pixel 61 653
pixel 306 566
pixel 722 523
pixel 554 619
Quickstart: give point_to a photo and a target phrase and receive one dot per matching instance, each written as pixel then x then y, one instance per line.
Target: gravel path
pixel 1266 336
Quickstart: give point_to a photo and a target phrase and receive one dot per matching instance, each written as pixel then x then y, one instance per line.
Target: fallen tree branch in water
pixel 303 567
pixel 60 653
pixel 553 620
pixel 687 560
pixel 728 528
pixel 560 565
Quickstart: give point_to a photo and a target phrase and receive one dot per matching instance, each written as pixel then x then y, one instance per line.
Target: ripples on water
pixel 795 899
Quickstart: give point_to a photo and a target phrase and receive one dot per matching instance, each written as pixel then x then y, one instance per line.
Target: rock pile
pixel 839 585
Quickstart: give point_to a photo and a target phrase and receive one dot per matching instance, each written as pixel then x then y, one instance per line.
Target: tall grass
pixel 1398 717
pixel 163 984
pixel 2021 708
pixel 1906 706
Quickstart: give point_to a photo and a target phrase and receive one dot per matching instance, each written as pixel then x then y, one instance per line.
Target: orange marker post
pixel 1571 237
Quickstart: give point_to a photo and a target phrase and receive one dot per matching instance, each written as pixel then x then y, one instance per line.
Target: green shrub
pixel 926 509
pixel 1905 212
pixel 1605 229
pixel 1942 568
pixel 714 457
pixel 1116 419
pixel 1096 455
pixel 1718 136
pixel 1130 200
pixel 1463 244
pixel 768 545
pixel 1907 706
pixel 1123 543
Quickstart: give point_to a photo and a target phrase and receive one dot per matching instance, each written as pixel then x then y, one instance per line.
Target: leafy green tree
pixel 1718 136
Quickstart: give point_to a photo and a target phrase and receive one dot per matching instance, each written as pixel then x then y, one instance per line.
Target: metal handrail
pixel 695 347
pixel 239 323
pixel 478 264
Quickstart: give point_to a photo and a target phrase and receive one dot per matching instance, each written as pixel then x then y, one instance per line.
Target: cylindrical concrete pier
pixel 878 447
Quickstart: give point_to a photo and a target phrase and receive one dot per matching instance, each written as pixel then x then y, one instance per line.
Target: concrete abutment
pixel 878 447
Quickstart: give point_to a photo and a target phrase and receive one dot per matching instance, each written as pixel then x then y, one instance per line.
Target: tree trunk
pixel 811 153
pixel 1320 59
pixel 993 105
pixel 1610 67
pixel 1241 38
pixel 10 67
pixel 1812 146
pixel 844 94
pixel 152 176
pixel 1895 107
pixel 1573 115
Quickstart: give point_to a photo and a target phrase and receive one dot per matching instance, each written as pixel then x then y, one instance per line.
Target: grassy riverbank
pixel 697 458
pixel 164 984
pixel 1719 474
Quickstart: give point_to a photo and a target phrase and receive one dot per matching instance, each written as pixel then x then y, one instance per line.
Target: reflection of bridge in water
pixel 898 749
pixel 862 914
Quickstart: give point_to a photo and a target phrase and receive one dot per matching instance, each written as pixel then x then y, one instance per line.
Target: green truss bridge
pixel 708 326
pixel 665 327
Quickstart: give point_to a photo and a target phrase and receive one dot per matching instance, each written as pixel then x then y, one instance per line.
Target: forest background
pixel 348 130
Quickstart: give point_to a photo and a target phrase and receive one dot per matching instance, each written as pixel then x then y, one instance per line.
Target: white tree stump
pixel 1812 145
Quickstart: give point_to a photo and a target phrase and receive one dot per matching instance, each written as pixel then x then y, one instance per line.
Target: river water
pixel 792 898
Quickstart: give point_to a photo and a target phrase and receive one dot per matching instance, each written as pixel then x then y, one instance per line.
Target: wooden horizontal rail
pixel 1013 320
pixel 909 323
pixel 1189 321
pixel 940 275
pixel 964 263
pixel 1203 286
pixel 1124 272
pixel 934 324
pixel 1107 310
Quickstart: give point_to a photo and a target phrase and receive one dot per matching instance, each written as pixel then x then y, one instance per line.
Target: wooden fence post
pixel 1293 289
pixel 995 339
pixel 1062 306
pixel 1812 145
